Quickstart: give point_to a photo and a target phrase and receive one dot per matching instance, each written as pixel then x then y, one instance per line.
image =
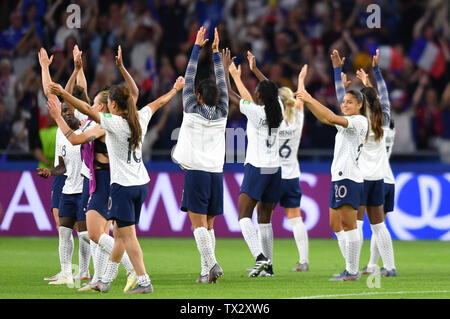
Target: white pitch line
pixel 374 293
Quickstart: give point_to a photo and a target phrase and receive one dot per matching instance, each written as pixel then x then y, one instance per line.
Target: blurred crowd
pixel 157 36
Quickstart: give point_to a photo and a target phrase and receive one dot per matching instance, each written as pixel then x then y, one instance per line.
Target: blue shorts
pixel 262 184
pixel 202 193
pixel 373 193
pixel 98 200
pixel 389 196
pixel 125 203
pixel 70 206
pixel 57 186
pixel 346 192
pixel 291 193
pixel 85 195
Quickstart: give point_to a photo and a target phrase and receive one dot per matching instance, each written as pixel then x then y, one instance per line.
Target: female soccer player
pixel 125 126
pixel 200 152
pixel 262 176
pixel 290 135
pixel 58 181
pixel 290 197
pixel 375 166
pixel 346 177
pixel 70 202
pixel 389 196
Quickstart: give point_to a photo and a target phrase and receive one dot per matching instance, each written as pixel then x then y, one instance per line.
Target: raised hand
pixel 235 71
pixel 363 76
pixel 376 58
pixel 55 88
pixel 251 60
pixel 200 39
pixel 54 107
pixel 336 59
pixel 215 44
pixel 119 61
pixel 303 72
pixel 303 95
pixel 344 80
pixel 179 84
pixel 226 59
pixel 44 61
pixel 78 62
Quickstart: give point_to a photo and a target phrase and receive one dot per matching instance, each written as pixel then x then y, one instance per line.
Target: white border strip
pixel 374 293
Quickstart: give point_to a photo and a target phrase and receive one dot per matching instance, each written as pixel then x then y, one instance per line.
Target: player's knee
pixel 335 227
pixel 94 235
pixel 348 225
pixel 264 218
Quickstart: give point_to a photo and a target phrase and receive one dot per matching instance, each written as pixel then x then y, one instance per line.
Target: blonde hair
pixel 287 97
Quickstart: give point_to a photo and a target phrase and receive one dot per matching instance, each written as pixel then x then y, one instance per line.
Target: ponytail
pixel 376 111
pixel 268 92
pixel 121 95
pixel 289 102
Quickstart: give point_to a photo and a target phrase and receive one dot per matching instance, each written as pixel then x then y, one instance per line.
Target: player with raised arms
pixel 290 197
pixel 125 127
pixel 346 177
pixel 262 174
pixel 70 201
pixel 59 180
pixel 95 155
pixel 200 152
pixel 375 166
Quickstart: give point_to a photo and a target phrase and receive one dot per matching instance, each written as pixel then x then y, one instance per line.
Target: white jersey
pixel 59 140
pixel 373 161
pixel 72 160
pixel 84 169
pixel 389 136
pixel 80 116
pixel 290 135
pixel 262 149
pixel 347 148
pixel 126 166
pixel 201 143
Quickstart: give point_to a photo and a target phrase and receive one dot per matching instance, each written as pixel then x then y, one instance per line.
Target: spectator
pixel 236 22
pixel 402 115
pixel 444 141
pixel 19 130
pixel 32 19
pixel 8 89
pixel 60 69
pixel 100 38
pixel 283 35
pixel 11 36
pixel 429 121
pixel 64 31
pixel 107 67
pixel 209 13
pixel 24 54
pixel 171 16
pixel 145 36
pixel 5 128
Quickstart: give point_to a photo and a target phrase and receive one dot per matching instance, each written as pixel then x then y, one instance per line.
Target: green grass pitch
pixel 174 264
